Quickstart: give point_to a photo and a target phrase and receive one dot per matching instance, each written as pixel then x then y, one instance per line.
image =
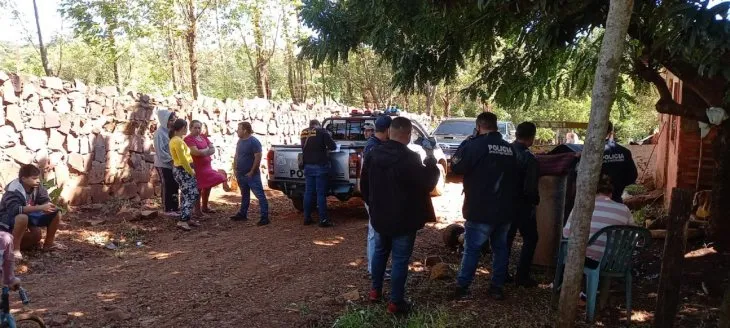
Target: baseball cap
pixel 368 126
pixel 383 123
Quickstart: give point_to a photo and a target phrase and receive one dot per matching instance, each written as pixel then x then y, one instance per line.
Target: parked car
pixel 450 133
pixel 346 161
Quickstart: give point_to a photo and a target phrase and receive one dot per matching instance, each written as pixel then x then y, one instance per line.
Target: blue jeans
pixel 400 248
pixel 247 186
pixel 475 235
pixel 316 184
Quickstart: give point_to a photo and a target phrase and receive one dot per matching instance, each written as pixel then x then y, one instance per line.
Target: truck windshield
pixel 462 128
pixel 347 129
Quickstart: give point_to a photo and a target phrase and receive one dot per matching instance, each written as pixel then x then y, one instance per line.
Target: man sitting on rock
pixel 26 204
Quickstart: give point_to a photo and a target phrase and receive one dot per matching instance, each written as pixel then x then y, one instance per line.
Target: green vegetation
pixel 250 48
pixel 376 317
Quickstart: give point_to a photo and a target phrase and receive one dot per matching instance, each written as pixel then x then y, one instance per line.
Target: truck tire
pixel 441 185
pixel 451 234
pixel 298 203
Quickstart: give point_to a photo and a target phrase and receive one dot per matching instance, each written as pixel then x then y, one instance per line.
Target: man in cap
pixel 382 125
pixel 368 130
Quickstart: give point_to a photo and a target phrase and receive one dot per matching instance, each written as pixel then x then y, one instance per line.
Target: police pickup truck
pixel 345 162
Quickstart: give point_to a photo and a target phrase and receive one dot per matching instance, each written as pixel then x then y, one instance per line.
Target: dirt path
pixel 231 274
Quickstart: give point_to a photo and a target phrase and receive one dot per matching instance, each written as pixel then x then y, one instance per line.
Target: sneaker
pixel 496 293
pixel 183 226
pixel 401 308
pixel 527 283
pixel 262 223
pixel 194 223
pixel 326 224
pixel 386 276
pixel 171 214
pixel 238 217
pixel 308 222
pixel 18 256
pixel 375 295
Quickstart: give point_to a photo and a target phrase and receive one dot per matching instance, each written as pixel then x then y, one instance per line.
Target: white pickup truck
pixel 344 183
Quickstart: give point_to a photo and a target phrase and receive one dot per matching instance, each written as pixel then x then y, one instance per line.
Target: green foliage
pixel 528 50
pixel 376 317
pixel 635 189
pixel 54 193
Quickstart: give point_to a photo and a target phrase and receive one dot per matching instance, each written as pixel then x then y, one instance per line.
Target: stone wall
pixel 97 144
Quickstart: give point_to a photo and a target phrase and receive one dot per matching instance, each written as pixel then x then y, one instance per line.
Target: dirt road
pixel 232 274
pixel 222 274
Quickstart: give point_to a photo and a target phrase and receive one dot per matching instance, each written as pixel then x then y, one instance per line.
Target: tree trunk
pixel 720 209
pixel 190 38
pixel 115 59
pixel 171 58
pixel 430 91
pixel 324 85
pixel 44 54
pixel 674 248
pixel 603 95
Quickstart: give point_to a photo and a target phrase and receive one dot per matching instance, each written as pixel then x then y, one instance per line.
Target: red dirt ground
pixel 231 274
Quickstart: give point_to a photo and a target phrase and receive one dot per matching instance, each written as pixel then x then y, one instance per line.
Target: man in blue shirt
pixel 382 125
pixel 246 165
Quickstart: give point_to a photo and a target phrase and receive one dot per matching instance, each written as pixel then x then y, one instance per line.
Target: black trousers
pixel 170 190
pixel 526 223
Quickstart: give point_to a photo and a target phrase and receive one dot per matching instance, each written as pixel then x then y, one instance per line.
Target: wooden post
pixel 671 272
pixel 725 310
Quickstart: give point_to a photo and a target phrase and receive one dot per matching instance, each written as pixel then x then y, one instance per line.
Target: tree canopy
pixel 530 49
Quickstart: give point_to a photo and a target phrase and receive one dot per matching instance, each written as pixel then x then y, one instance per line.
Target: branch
pixel 202 11
pixel 666 103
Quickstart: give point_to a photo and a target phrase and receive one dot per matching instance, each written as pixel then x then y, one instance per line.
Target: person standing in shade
pixel 316 144
pixel 619 165
pixel 528 197
pixel 163 163
pixel 381 127
pixel 184 174
pixel 396 185
pixel 488 165
pixel 247 163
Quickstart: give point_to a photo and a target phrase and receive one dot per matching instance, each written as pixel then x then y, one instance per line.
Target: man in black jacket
pixel 396 187
pixel 316 142
pixel 618 165
pixel 528 198
pixel 488 164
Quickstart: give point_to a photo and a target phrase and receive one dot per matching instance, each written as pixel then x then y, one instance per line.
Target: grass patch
pixel 422 317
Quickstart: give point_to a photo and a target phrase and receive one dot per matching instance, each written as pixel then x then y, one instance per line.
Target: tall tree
pixel 192 15
pixel 44 54
pixel 604 92
pixel 100 23
pixel 532 49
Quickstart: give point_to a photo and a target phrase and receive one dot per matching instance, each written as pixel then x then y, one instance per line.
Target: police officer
pixel 618 165
pixel 316 142
pixel 488 164
pixel 528 198
pixel 381 135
